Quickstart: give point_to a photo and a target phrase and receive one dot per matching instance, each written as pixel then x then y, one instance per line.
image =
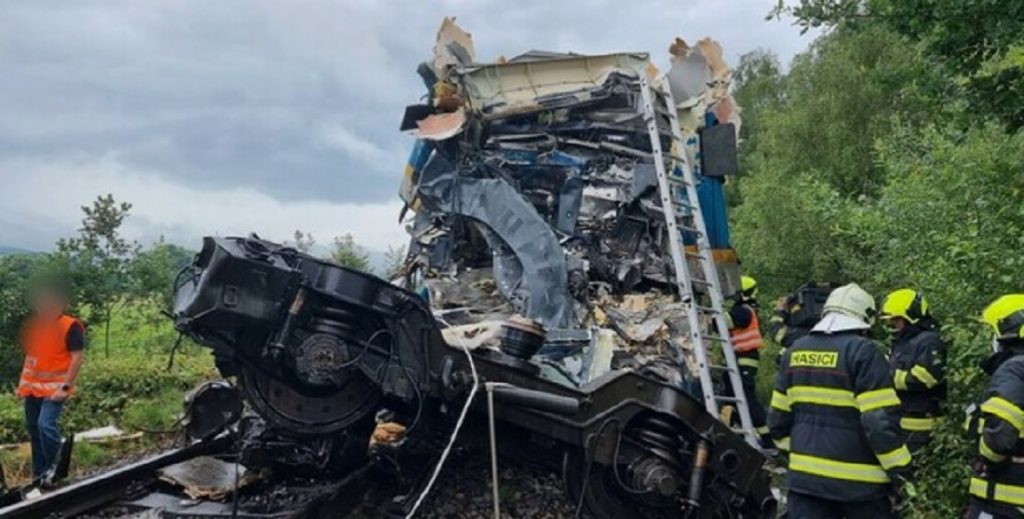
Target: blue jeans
pixel 41 418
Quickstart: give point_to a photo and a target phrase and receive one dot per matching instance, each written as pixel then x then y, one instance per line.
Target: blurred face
pixel 49 304
pixel 896 323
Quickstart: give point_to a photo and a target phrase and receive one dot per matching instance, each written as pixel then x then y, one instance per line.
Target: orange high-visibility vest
pixel 47 358
pixel 749 338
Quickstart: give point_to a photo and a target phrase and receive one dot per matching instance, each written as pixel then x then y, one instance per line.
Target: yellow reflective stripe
pixel 900 379
pixel 780 401
pixel 763 430
pixel 877 399
pixel 825 467
pixel 979 488
pixel 924 375
pixel 783 444
pixel 1006 410
pixel 779 335
pixel 909 423
pixel 899 457
pixel 821 396
pixel 749 362
pixel 988 453
pixel 1011 494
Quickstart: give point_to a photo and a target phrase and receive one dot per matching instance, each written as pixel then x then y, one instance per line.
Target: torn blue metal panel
pixel 711 192
pixel 417 159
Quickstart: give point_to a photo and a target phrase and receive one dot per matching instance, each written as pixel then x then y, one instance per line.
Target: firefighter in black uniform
pixel 918 363
pixel 745 333
pixel 796 313
pixel 997 486
pixel 835 410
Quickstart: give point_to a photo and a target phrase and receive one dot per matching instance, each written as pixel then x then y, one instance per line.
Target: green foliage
pixel 346 252
pixel 152 272
pixel 394 261
pixel 90 455
pixel 155 414
pixel 952 207
pixel 303 241
pixel 16 271
pixel 981 41
pixel 840 96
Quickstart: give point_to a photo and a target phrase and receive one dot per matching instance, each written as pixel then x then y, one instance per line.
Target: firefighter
pixel 917 360
pixel 834 409
pixel 745 332
pixel 796 313
pixel 997 486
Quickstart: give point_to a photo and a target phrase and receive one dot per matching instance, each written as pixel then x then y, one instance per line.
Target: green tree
pixel 394 261
pixel 98 260
pixel 152 272
pixel 981 41
pixel 304 241
pixel 759 90
pixel 346 252
pixel 809 156
pixel 16 273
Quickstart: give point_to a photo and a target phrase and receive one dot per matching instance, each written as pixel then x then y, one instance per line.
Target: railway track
pixel 135 490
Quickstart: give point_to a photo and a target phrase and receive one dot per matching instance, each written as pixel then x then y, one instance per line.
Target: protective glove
pixel 902 491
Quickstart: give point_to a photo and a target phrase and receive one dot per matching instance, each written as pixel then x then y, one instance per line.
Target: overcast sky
pixel 235 116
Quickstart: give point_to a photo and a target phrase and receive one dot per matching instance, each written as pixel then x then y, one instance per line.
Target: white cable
pixel 455 432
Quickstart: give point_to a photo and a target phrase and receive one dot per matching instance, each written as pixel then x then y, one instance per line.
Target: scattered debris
pixel 207 477
pixel 388 433
pixel 106 434
pixel 535 193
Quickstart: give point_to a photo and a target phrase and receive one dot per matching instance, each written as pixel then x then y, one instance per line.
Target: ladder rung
pixel 678 180
pixel 707 309
pixel 694 230
pixel 719 367
pixel 728 399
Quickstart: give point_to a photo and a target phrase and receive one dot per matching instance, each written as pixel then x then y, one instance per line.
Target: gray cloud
pixel 298 101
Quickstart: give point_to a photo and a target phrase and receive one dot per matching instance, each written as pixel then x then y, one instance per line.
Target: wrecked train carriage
pixel 537 172
pixel 537 228
pixel 320 349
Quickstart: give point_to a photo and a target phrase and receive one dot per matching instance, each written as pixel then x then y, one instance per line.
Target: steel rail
pixel 107 487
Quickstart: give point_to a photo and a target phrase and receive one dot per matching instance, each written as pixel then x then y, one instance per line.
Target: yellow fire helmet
pixel 748 286
pixel 906 303
pixel 1006 316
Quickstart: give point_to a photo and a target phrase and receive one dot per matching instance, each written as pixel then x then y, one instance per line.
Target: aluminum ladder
pixel 681 208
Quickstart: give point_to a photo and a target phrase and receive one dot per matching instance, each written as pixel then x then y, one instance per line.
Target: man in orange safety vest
pixel 54 344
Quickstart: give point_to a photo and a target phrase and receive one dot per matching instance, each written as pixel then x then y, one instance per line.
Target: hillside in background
pixel 7 249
